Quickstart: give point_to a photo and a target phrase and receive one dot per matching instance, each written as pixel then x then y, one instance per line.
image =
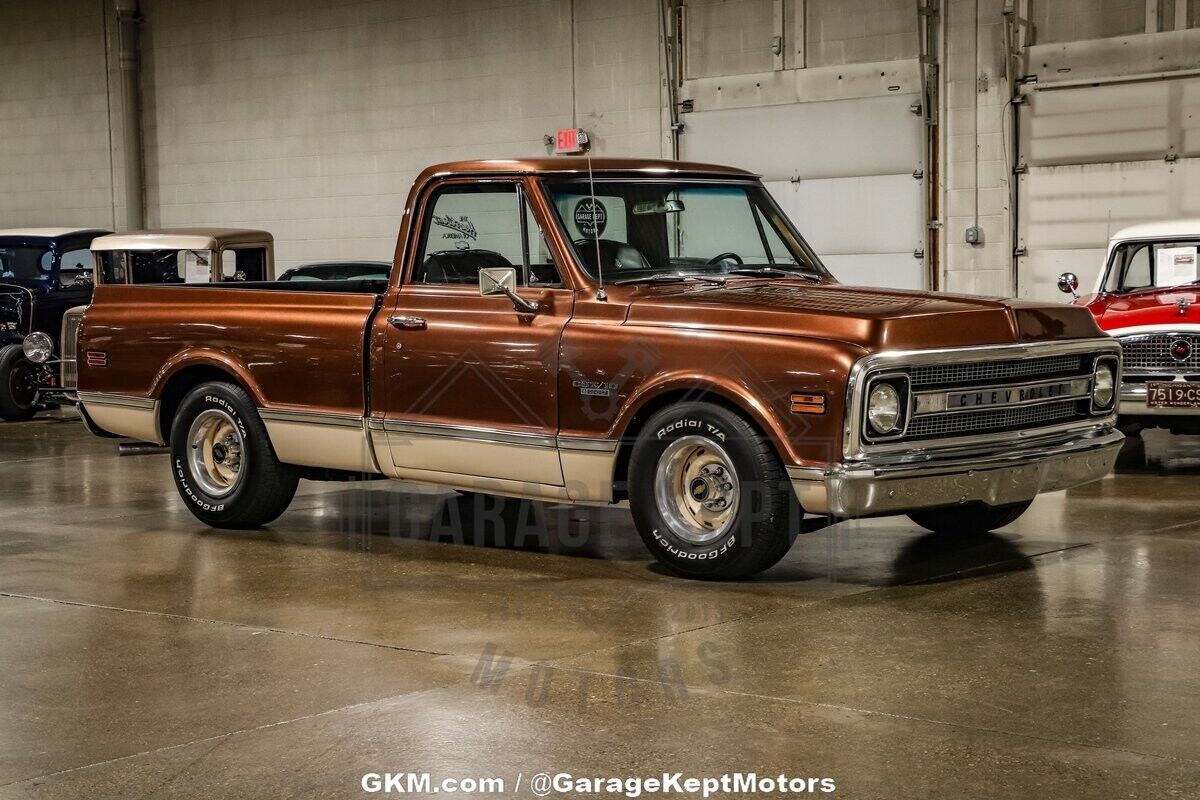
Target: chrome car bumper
pixel 1133 404
pixel 899 484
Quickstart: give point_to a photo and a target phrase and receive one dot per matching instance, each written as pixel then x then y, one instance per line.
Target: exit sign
pixel 570 140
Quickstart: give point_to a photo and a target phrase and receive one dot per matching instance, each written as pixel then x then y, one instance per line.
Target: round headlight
pixel 883 408
pixel 1103 386
pixel 38 347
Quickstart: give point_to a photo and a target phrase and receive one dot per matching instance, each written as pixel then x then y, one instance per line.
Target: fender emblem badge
pixel 97 358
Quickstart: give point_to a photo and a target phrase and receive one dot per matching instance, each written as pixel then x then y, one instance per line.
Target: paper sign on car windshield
pixel 196 267
pixel 1175 266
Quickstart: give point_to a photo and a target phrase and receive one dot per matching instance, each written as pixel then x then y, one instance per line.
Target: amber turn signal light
pixel 808 404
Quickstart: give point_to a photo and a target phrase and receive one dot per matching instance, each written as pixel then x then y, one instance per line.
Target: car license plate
pixel 1173 394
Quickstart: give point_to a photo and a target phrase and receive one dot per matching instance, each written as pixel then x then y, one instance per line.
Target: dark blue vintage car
pixel 43 273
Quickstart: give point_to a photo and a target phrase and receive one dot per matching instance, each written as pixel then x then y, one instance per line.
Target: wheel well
pixel 178 385
pixel 651 407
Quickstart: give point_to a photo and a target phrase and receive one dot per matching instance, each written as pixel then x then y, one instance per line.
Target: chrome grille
pixel 972 422
pixel 981 372
pixel 950 376
pixel 1151 353
pixel 69 369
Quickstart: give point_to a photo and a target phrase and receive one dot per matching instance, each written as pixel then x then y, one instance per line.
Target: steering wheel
pixel 730 256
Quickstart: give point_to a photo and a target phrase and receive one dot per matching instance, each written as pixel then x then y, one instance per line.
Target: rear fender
pixel 205 357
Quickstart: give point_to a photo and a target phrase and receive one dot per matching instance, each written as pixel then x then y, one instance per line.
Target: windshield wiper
pixel 774 272
pixel 673 277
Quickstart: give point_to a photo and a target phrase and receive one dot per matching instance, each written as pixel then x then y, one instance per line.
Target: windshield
pixel 26 262
pixel 638 230
pixel 1136 266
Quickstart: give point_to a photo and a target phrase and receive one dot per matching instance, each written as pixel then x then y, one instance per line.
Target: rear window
pixel 142 266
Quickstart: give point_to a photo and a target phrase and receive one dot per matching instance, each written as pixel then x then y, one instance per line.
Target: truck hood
pixel 1142 309
pixel 875 319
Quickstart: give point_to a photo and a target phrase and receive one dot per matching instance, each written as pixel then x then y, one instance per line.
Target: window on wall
pixel 1060 21
pixel 859 31
pixel 472 227
pixel 729 37
pixel 736 37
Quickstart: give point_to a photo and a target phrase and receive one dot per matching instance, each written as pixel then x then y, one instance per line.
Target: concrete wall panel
pixel 54 150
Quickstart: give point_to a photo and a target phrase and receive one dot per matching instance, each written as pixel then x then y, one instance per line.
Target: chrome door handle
pixel 408 322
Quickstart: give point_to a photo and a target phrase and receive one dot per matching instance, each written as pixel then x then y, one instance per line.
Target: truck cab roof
pixel 581 165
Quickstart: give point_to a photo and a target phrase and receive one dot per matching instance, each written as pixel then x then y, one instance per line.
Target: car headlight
pixel 38 347
pixel 1104 381
pixel 883 408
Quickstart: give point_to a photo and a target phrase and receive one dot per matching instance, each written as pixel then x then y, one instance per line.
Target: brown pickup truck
pixel 609 331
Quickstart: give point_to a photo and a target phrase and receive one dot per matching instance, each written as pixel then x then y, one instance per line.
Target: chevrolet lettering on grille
pixel 1014 395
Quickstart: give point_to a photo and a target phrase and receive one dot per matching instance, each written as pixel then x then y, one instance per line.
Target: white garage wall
pixel 54 152
pixel 311 119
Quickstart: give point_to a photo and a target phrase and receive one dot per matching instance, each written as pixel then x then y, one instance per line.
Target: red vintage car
pixel 1146 297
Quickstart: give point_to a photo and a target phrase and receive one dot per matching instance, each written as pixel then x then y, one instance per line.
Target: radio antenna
pixel 600 293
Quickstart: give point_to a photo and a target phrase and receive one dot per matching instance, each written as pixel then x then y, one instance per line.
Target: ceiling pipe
pixel 128 20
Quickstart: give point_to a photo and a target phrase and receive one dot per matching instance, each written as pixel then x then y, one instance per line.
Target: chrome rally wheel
pixel 216 452
pixel 696 488
pixel 224 466
pixel 708 493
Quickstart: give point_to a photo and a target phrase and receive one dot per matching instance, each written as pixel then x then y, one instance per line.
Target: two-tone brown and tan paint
pixel 582 374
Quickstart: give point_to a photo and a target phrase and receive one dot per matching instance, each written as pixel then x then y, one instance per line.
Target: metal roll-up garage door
pixel 1097 159
pixel 843 170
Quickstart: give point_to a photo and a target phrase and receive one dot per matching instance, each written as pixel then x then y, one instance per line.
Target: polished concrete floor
pixel 142 655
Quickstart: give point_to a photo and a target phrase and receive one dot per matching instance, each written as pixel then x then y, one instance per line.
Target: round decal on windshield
pixel 591 217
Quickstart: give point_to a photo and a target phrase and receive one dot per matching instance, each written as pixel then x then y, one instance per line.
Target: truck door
pixel 469 384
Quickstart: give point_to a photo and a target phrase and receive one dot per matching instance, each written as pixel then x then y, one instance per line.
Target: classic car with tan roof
pixel 609 331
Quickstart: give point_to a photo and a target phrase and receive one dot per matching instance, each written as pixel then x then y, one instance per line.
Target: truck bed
pixel 277 331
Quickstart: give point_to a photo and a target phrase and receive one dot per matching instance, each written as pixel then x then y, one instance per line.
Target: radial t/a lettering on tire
pixel 708 494
pixel 222 460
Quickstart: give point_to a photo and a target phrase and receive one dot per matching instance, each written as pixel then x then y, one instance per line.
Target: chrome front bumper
pixel 899 484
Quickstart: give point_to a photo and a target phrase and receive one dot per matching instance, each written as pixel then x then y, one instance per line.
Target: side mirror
pixel 1069 284
pixel 503 280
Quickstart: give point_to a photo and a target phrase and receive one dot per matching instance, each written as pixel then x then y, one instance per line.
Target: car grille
pixel 966 423
pixel 15 309
pixel 957 375
pixel 1151 353
pixel 69 371
pixel 988 372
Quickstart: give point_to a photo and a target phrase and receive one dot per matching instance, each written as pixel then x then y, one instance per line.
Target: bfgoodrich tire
pixel 970 518
pixel 224 466
pixel 708 494
pixel 18 395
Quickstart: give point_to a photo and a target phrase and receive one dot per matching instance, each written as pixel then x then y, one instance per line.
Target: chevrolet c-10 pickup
pixel 606 331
